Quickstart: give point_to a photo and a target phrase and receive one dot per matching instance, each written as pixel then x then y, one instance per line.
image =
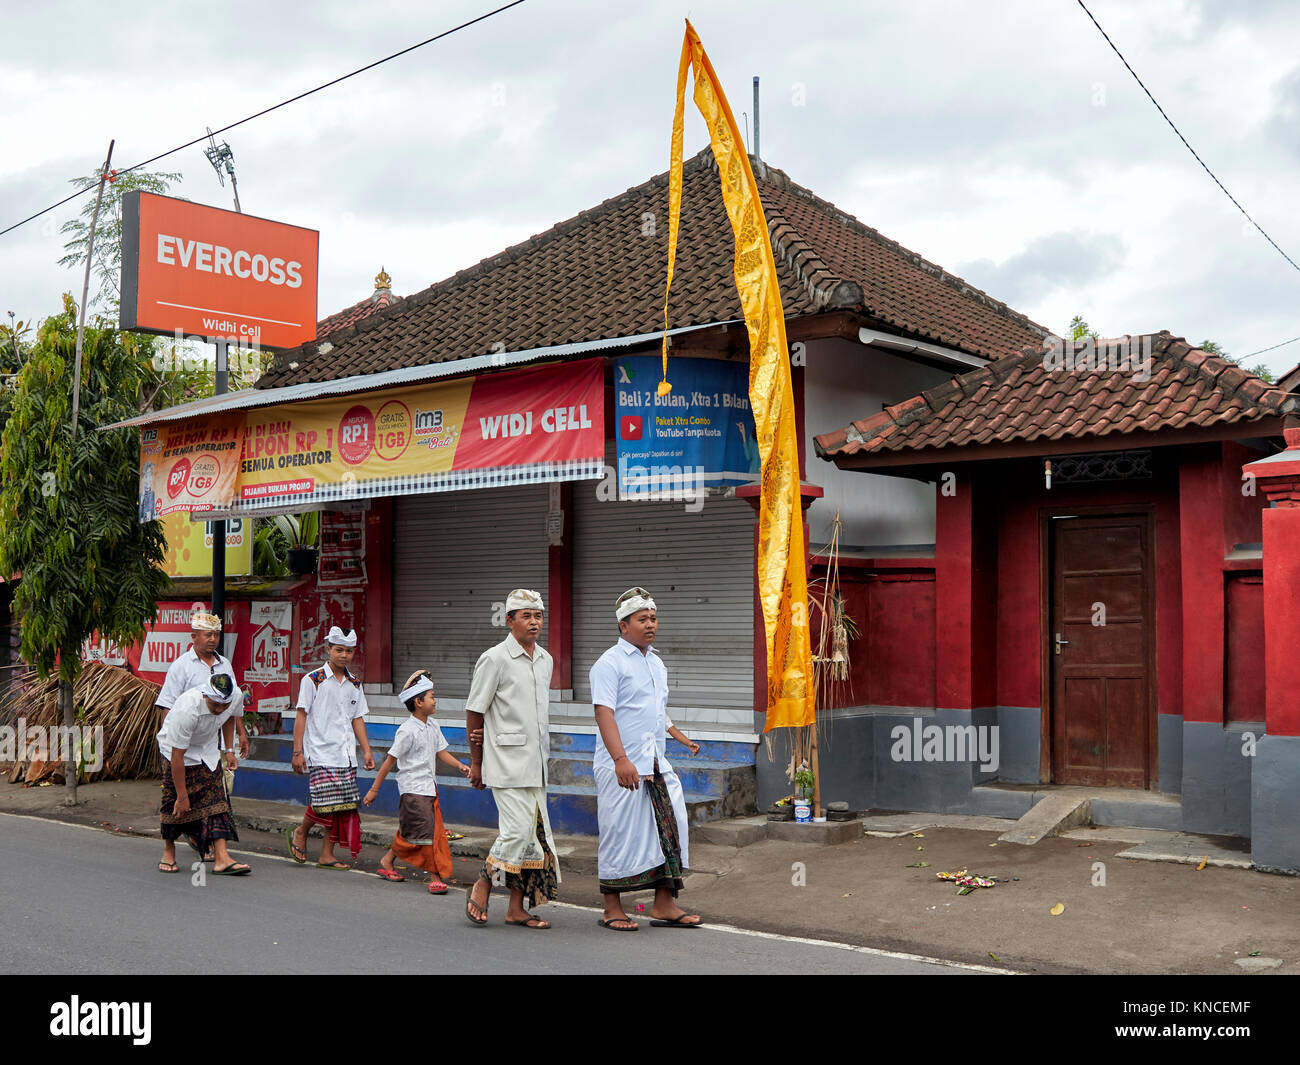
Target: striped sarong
pixel 333 789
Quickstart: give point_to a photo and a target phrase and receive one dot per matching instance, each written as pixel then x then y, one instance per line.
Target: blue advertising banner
pixel 699 435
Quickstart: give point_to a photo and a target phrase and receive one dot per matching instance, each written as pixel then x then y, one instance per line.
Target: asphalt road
pixel 84 900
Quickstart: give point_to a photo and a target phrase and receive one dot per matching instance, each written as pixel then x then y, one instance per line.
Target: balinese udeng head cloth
pixel 631 601
pixel 416 685
pixel 219 688
pixel 339 638
pixel 203 622
pixel 523 599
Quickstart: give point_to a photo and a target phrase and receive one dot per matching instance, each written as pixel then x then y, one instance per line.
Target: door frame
pixel 1146 511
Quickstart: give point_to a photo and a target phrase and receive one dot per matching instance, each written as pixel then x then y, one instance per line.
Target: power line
pixel 1184 140
pixel 268 110
pixel 1273 348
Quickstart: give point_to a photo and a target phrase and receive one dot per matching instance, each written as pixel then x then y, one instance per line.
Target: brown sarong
pixel 421 840
pixel 209 816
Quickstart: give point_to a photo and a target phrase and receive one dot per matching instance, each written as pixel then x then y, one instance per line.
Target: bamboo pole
pixel 85 290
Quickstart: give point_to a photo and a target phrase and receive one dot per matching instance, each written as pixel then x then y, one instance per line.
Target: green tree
pixel 107 267
pixel 1259 369
pixel 1080 330
pixel 69 511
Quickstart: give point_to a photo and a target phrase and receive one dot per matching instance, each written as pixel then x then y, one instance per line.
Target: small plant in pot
pixel 803 783
pixel 301 533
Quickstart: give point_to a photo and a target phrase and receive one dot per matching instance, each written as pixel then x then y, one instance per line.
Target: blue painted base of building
pixel 719 782
pixel 1227 780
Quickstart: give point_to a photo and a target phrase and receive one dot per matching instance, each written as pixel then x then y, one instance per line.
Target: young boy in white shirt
pixel 421 840
pixel 326 731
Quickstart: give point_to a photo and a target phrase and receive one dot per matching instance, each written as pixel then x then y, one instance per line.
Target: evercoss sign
pixel 216 273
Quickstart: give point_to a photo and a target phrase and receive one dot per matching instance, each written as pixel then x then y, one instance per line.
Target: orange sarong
pixel 420 817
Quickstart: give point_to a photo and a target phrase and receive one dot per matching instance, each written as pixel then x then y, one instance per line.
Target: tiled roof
pixel 601 274
pixel 1029 397
pixel 382 297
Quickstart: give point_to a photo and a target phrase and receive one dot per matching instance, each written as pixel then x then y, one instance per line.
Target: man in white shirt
pixel 193 668
pixel 507 718
pixel 326 730
pixel 640 806
pixel 197 730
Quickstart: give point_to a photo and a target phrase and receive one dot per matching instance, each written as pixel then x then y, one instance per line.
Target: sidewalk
pixel 1147 917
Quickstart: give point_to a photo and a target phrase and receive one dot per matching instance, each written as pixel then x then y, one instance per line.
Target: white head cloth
pixel 419 687
pixel 625 607
pixel 202 622
pixel 219 688
pixel 340 638
pixel 523 599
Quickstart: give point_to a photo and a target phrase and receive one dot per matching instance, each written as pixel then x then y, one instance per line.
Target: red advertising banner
pixel 258 638
pixel 529 426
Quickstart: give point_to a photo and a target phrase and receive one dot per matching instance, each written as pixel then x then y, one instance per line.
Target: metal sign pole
pixel 219 527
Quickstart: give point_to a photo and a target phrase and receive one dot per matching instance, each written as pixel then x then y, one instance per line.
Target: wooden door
pixel 1101 648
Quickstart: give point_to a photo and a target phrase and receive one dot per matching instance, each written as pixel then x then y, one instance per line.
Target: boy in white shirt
pixel 421 840
pixel 326 731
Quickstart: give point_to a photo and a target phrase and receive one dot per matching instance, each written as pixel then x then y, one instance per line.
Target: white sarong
pixel 517 847
pixel 629 838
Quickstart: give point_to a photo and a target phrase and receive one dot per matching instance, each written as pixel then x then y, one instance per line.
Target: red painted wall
pixel 1020 633
pixel 1241 512
pixel 1201 511
pixel 891 661
pixel 1244 681
pixel 965 574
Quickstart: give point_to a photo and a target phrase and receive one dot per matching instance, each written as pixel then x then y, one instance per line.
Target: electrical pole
pixel 223 162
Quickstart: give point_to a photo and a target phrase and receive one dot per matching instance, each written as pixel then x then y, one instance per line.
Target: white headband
pixel 424 684
pixel 201 622
pixel 523 599
pixel 219 688
pixel 626 607
pixel 340 638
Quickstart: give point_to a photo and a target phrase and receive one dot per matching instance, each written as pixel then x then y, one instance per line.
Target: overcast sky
pixel 1002 140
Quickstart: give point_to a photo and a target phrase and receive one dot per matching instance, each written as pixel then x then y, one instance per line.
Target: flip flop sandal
pixel 334 865
pixel 238 869
pixel 162 867
pixel 391 875
pixel 677 922
pixel 469 901
pixel 294 849
pixel 541 926
pixel 437 887
pixel 619 920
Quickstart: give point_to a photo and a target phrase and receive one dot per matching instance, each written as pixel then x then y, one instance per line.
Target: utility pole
pixel 223 162
pixel 66 694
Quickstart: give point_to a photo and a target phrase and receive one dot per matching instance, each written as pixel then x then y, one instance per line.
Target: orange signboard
pixel 216 274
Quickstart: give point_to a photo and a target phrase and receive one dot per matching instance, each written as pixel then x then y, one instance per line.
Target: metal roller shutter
pixel 700 569
pixel 454 555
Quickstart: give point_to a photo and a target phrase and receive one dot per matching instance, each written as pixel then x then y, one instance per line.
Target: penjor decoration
pixel 782 579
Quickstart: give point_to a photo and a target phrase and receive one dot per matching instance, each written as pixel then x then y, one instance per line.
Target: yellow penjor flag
pixel 782 580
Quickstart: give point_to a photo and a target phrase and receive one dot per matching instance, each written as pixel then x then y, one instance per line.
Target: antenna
pixel 756 151
pixel 219 155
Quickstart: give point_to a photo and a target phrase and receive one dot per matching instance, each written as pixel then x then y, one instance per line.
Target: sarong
pixel 333 802
pixel 641 833
pixel 421 839
pixel 209 816
pixel 524 849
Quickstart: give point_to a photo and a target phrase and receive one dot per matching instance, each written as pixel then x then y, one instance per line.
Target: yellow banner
pixel 189 546
pixel 782 578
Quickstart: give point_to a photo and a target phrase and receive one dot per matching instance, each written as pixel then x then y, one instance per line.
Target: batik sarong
pixel 524 849
pixel 209 817
pixel 333 802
